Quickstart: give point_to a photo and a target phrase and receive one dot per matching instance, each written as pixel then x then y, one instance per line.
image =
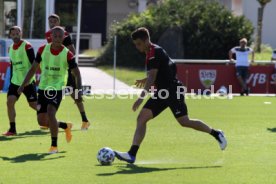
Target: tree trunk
pixel 259 28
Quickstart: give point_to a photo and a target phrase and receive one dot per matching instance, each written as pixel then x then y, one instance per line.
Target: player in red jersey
pixel 161 73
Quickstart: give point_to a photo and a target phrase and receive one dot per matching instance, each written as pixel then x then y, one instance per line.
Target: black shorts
pixel 46 98
pixel 176 102
pixel 242 71
pixel 29 91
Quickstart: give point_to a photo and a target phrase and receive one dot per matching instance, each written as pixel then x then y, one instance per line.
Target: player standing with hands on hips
pixel 161 72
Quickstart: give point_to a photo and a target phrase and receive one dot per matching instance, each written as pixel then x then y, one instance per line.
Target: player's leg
pixel 242 82
pixel 12 98
pixel 53 105
pixel 43 121
pixel 179 109
pixel 31 95
pixel 42 116
pixel 245 74
pixel 71 83
pixel 41 108
pixel 144 116
pixel 199 125
pixel 85 122
pixel 151 109
pixel 185 121
pixel 140 132
pixel 51 112
pixel 53 125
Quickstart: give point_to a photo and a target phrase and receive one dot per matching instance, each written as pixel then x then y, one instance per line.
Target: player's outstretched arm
pixel 28 77
pixel 149 82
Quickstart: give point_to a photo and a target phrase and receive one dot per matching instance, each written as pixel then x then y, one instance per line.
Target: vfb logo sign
pixel 259 79
pixel 207 77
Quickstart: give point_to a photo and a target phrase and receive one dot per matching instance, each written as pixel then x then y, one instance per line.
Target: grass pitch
pixel 169 153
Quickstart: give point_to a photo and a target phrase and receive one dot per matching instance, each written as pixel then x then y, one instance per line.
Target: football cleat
pixel 8 133
pixel 85 125
pixel 221 140
pixel 68 132
pixel 53 150
pixel 125 157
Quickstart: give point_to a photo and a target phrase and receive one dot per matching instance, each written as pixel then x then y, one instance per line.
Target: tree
pixel 207 31
pixel 263 3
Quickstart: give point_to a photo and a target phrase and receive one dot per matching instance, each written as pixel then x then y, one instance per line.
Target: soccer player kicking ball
pixel 53 21
pixel 54 60
pixel 161 73
pixel 22 56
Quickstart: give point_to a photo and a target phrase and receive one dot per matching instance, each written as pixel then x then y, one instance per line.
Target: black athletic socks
pixel 62 125
pixel 12 127
pixel 83 117
pixel 54 141
pixel 133 150
pixel 215 134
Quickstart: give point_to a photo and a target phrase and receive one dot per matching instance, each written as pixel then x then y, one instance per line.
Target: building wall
pixel 117 10
pixel 226 3
pixel 250 10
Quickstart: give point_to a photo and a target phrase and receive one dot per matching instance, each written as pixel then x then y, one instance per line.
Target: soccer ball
pixel 106 156
pixel 222 91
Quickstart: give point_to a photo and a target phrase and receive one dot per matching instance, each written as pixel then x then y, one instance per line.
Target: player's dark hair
pixel 140 33
pixel 54 16
pixel 58 28
pixel 14 28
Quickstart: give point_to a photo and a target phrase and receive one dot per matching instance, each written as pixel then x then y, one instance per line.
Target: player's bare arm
pixel 72 48
pixel 28 77
pixel 231 56
pixel 253 57
pixel 77 76
pixel 149 82
pixel 141 83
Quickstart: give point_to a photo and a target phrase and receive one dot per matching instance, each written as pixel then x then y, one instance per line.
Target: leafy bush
pixel 209 30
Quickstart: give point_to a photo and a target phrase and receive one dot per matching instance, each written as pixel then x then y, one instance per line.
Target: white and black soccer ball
pixel 106 156
pixel 222 91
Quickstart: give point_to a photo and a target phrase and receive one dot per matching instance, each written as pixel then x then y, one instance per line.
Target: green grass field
pixel 125 74
pixel 169 154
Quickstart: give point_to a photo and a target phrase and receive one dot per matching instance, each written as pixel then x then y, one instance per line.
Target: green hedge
pixel 209 30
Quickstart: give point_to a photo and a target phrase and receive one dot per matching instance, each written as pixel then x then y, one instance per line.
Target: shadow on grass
pixel 29 134
pixel 34 132
pixel 273 130
pixel 32 157
pixel 24 135
pixel 135 169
